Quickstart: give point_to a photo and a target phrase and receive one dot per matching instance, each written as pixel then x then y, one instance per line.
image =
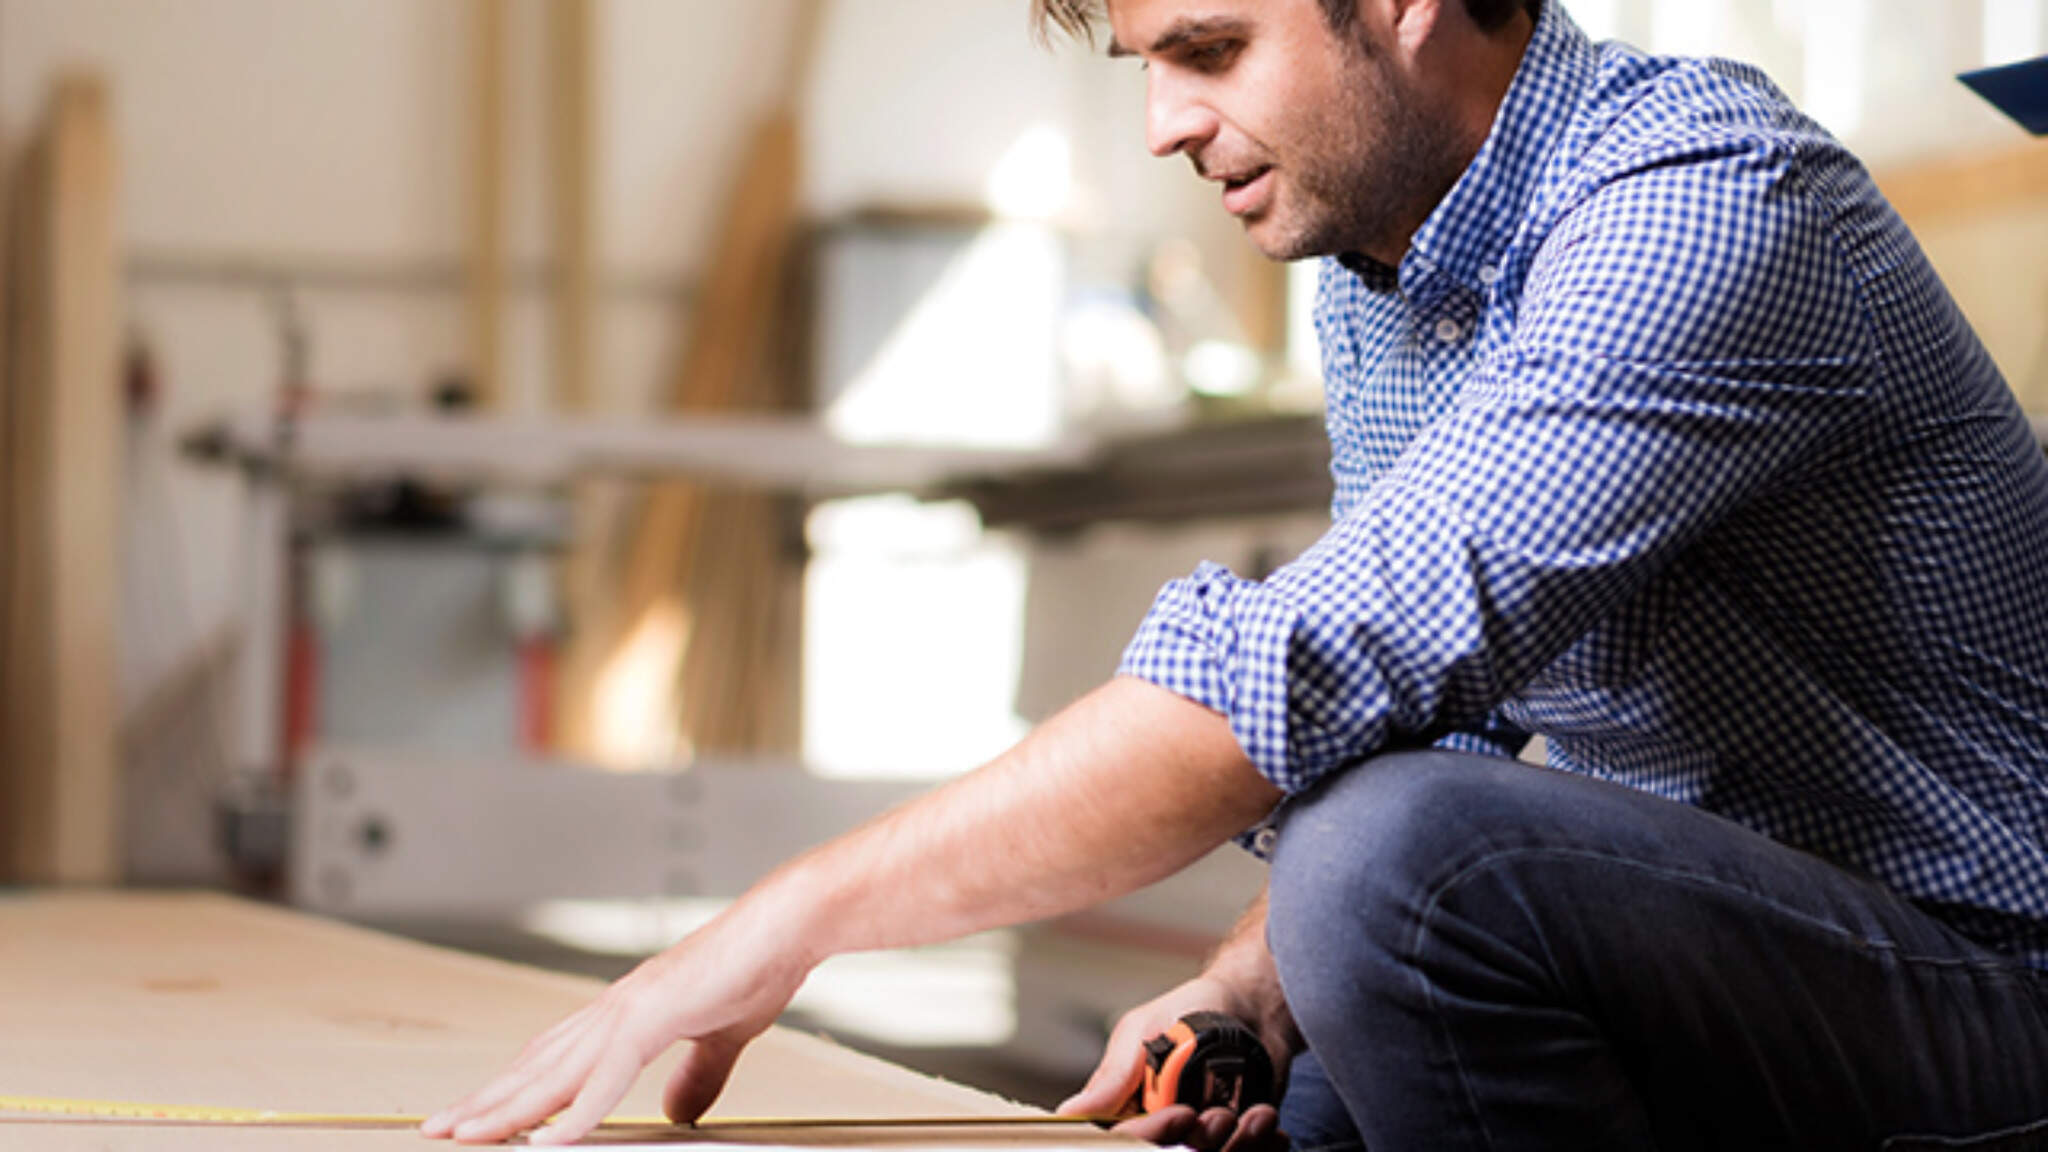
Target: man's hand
pixel 1241 981
pixel 1118 1077
pixel 718 988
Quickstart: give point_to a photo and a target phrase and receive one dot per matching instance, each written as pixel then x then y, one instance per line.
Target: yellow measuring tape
pixel 55 1107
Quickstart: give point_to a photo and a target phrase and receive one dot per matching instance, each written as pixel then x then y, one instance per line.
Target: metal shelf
pixel 1269 464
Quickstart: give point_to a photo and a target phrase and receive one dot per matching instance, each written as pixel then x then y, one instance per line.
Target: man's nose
pixel 1174 120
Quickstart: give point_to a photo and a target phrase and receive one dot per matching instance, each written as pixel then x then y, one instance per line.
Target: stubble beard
pixel 1377 169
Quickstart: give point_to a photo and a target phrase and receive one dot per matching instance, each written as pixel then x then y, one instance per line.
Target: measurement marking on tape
pixel 190 1114
pixel 132 1112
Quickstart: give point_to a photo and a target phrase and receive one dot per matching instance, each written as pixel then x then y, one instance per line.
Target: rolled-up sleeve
pixel 1687 337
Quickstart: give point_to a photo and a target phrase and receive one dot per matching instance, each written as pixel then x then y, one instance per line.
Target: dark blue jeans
pixel 1488 955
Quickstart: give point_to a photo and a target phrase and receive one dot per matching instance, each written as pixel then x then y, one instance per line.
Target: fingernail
pixel 542 1136
pixel 468 1129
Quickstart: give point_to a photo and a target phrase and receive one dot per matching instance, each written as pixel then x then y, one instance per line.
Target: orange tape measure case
pixel 1207 1060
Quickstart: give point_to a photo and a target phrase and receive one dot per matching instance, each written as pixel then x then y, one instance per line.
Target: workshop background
pixel 510 471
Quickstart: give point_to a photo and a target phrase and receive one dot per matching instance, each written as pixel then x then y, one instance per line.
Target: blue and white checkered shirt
pixel 1664 441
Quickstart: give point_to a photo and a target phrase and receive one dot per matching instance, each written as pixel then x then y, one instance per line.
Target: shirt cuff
pixel 1492 738
pixel 1222 642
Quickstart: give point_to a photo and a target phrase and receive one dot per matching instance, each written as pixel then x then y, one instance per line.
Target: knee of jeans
pixel 1358 853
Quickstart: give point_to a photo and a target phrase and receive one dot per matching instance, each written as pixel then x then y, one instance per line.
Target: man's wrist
pixel 1260 1002
pixel 1243 968
pixel 788 907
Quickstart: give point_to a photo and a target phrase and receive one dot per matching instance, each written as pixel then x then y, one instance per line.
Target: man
pixel 1653 433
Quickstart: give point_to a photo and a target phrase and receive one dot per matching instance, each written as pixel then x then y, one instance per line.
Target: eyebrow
pixel 1183 30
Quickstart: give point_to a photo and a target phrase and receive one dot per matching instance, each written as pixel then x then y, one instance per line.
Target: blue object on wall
pixel 2019 90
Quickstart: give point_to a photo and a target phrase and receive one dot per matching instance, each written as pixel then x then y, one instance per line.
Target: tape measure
pixel 127 1111
pixel 133 1112
pixel 1207 1060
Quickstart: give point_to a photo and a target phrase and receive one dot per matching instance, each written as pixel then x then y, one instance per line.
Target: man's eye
pixel 1211 55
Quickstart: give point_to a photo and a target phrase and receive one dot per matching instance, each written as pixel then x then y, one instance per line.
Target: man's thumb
pixel 1114 1083
pixel 701 1076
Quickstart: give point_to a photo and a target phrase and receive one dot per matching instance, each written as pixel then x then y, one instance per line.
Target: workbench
pixel 200 999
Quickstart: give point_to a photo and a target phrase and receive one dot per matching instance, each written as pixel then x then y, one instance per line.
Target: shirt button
pixel 1448 330
pixel 1489 274
pixel 1263 841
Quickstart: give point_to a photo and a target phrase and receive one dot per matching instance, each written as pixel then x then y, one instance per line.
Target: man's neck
pixel 1484 65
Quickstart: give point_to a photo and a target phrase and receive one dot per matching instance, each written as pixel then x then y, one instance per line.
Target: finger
pixel 1216 1125
pixel 1257 1130
pixel 547 1090
pixel 439 1125
pixel 539 1101
pixel 606 1085
pixel 541 1053
pixel 700 1077
pixel 1104 1098
pixel 1114 1081
pixel 1104 1095
pixel 1173 1124
pixel 507 1084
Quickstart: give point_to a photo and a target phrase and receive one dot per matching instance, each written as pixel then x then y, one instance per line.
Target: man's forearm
pixel 1126 786
pixel 1129 784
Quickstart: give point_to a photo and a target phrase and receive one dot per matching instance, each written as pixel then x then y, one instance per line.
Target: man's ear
pixel 1414 22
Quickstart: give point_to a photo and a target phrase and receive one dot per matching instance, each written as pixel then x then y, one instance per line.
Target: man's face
pixel 1321 141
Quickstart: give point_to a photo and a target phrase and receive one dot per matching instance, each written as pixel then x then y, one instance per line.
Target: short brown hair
pixel 1077 17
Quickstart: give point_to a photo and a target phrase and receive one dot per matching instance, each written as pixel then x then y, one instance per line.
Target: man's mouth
pixel 1245 192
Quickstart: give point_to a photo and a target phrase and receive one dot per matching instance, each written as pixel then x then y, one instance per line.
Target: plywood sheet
pixel 202 1000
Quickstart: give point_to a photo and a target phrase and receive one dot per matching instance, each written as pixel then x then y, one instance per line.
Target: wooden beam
pixel 60 722
pixel 572 43
pixel 489 48
pixel 599 505
pixel 10 547
pixel 596 507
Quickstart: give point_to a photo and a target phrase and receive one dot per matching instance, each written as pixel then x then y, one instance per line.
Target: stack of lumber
pixel 706 576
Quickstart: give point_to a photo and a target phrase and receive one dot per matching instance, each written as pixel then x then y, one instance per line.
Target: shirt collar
pixel 1475 222
pixel 1377 276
